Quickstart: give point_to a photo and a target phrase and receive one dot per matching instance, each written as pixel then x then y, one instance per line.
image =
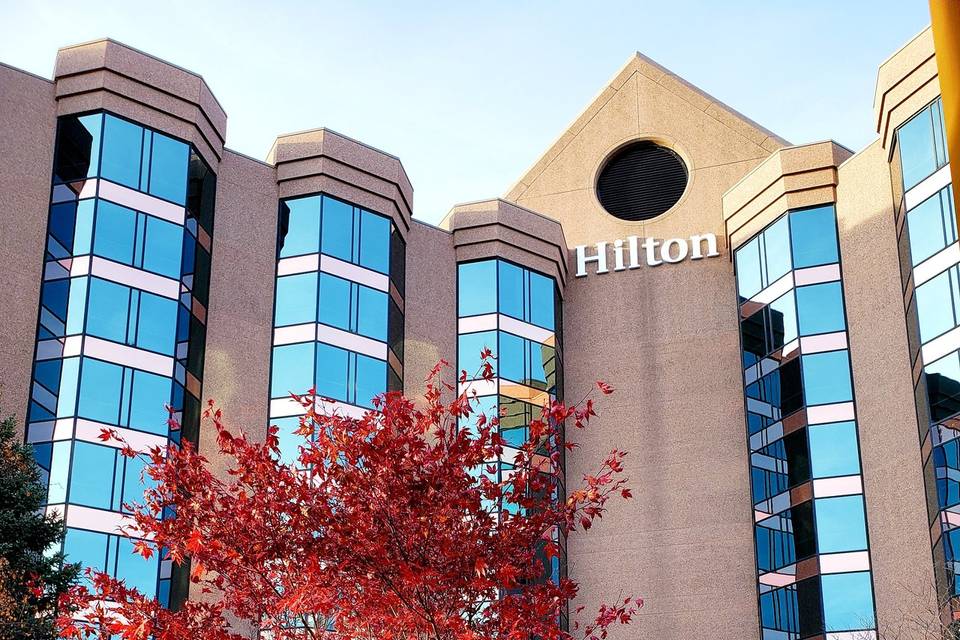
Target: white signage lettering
pixel 627 254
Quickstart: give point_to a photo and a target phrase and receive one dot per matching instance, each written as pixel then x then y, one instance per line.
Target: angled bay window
pixel 813 567
pixel 514 312
pixel 121 331
pixel 929 261
pixel 338 309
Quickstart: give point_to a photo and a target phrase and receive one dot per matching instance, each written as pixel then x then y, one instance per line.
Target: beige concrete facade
pixel 667 337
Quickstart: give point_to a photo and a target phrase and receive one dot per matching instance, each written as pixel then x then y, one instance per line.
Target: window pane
pixel 847 601
pixel 163 247
pixel 136 571
pixel 814 234
pixel 477 288
pixel 820 308
pixel 302 233
pixel 148 402
pixel 918 158
pixel 335 301
pixel 935 306
pixel 783 321
pixel 543 365
pixel 91 475
pixel 292 369
pixel 374 242
pixel 826 377
pixel 925 228
pixel 107 315
pixel 511 357
pixel 100 391
pixel 337 235
pixel 776 241
pixel 469 349
pixel 372 314
pixel 113 235
pixel 511 290
pixel 943 386
pixel 748 269
pixel 834 450
pixel 296 299
pixel 541 301
pixel 371 379
pixel 135 482
pixel 78 147
pixel 157 328
pixel 168 171
pixel 290 442
pixel 86 547
pixel 841 524
pixel 332 372
pixel 122 141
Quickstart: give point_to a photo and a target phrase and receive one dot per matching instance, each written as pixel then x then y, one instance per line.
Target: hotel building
pixel 781 322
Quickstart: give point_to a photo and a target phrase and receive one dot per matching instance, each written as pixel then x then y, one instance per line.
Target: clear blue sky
pixel 469 94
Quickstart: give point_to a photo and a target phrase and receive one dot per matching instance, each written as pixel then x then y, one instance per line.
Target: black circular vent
pixel 641 181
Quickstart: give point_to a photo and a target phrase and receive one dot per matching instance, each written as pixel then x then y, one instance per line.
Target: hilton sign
pixel 626 254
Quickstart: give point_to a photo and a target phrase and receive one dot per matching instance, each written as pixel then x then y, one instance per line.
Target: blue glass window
pixel 847 601
pixel 91 475
pixel 511 357
pixel 749 282
pixel 814 235
pixel 542 301
pixel 820 307
pixel 511 290
pixel 114 231
pixel 302 233
pixel 335 301
pixel 122 144
pixel 88 548
pixel 470 347
pixel 834 449
pixel 296 299
pixel 936 304
pixel 374 242
pixel 841 524
pixel 163 247
pixel 332 372
pixel 157 325
pixel 932 225
pixel 477 288
pixel 292 369
pixel 289 442
pixel 371 379
pixel 108 308
pixel 100 386
pixel 826 377
pixel 337 235
pixel 776 248
pixel 136 571
pixel 372 313
pixel 921 144
pixel 783 321
pixel 148 403
pixel 168 169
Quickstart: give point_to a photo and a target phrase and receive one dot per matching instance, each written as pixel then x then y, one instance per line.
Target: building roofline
pixel 25 72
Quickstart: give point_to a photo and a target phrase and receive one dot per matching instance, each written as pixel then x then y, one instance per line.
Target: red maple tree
pixel 393 526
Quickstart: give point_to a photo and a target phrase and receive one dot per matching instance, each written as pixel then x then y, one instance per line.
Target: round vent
pixel 641 181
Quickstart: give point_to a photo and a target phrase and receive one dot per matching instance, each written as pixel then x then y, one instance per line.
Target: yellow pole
pixel 945 19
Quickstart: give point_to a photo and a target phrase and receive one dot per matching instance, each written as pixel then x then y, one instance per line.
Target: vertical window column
pixel 121 328
pixel 515 312
pixel 930 259
pixel 812 551
pixel 338 311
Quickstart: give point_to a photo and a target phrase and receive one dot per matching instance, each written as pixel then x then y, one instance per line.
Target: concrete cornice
pixel 498 228
pixel 791 178
pixel 105 74
pixel 322 160
pixel 906 82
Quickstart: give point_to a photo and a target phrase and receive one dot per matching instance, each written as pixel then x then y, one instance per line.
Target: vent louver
pixel 641 181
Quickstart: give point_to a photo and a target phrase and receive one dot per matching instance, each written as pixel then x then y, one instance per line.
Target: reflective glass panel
pixel 847 601
pixel 337 235
pixel 748 269
pixel 122 143
pixel 820 308
pixel 841 524
pixel 292 369
pixel 776 240
pixel 335 301
pixel 114 229
pixel 371 379
pixel 814 234
pixel 168 168
pixel 374 242
pixel 91 475
pixel 296 299
pixel 332 372
pixel 834 449
pixel 163 247
pixel 477 288
pixel 302 232
pixel 826 377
